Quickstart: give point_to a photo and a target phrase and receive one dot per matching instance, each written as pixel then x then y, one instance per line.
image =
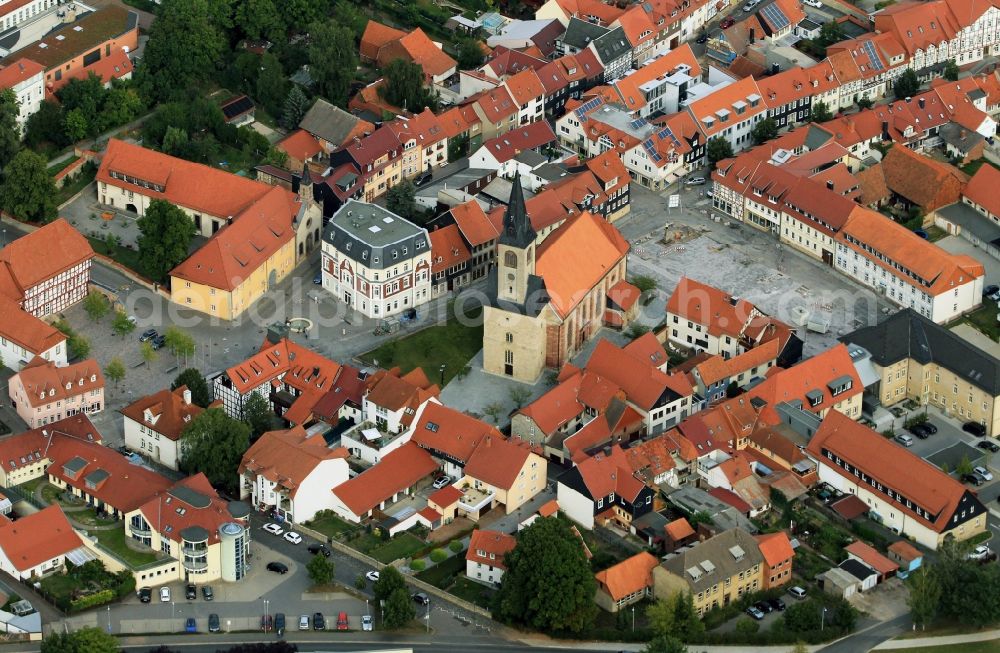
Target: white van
pixel 797 592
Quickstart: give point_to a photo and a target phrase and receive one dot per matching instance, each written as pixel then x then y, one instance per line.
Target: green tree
pixel 165 234
pixel 78 346
pixel 333 60
pixel 175 141
pixel 519 394
pixel 548 584
pixel 844 616
pixel 121 105
pixel 494 410
pixel 258 415
pixel 644 283
pixel 865 103
pixel 320 569
pixel 665 644
pixel 458 148
pixel 180 344
pixel 272 87
pixel 28 191
pixel 349 15
pixel 924 597
pixel 96 305
pixel 404 86
pixel 660 615
pixel 829 34
pixel 687 623
pixel 149 355
pixel 401 199
pixel 296 106
pixel 185 44
pixel 259 19
pixel 964 466
pixel 389 580
pixel 85 640
pixel 950 71
pixel 195 382
pixel 398 610
pixel 804 616
pixel 470 54
pixel 746 626
pixel 906 85
pixel 45 126
pixel 299 14
pixel 115 370
pixel 717 149
pixel 213 443
pixel 122 324
pixel 820 112
pixel 10 141
pixel 764 131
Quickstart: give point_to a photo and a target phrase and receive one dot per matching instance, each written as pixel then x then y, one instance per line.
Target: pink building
pixel 43 393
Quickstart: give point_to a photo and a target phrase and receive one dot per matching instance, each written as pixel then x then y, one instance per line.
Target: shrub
pixel 360 582
pixel 456 546
pixel 89 601
pixel 439 555
pixel 418 565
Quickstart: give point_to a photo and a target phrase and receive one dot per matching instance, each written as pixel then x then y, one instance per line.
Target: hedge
pixel 89 601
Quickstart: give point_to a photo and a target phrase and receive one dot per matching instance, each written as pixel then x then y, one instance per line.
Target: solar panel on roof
pixel 873 59
pixel 636 124
pixel 651 150
pixel 581 112
pixel 666 133
pixel 775 16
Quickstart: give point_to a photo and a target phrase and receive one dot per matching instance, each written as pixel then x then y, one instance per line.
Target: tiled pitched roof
pixel 44 383
pixel 678 529
pixel 398 470
pixel 527 137
pixel 489 547
pixel 681 57
pixel 37 537
pixel 642 382
pixel 498 461
pixel 376 36
pixel 496 104
pixel 24 266
pixel 871 557
pixel 447 431
pixel 191 503
pixel 719 368
pixel 708 306
pixel 709 110
pixel 288 457
pixel 922 180
pixel 392 392
pixel 18 71
pixel 473 223
pixel 631 575
pixel 447 249
pixel 811 375
pixel 525 86
pixel 504 62
pixel 775 547
pixel 168 412
pixel 300 145
pixel 31 446
pixel 603 475
pixel 25 330
pixel 905 551
pixel 557 406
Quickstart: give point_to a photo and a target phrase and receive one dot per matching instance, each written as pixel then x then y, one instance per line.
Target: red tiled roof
pixel 905 551
pixel 376 36
pixel 624 295
pixel 446 496
pixel 528 137
pixel 473 223
pixel 37 538
pixel 775 547
pixel 548 508
pixel 27 331
pixel 603 475
pixel 731 498
pixel 489 547
pixel 628 87
pixel 191 502
pixel 814 373
pixel 168 412
pixel 631 575
pixel 392 392
pixel 871 557
pixel 647 347
pixel 447 249
pixel 498 461
pixel 642 382
pixel 115 65
pixel 22 262
pixel 398 470
pixel 18 71
pixel 288 457
pixel 679 529
pixel 850 507
pixel 451 432
pixel 45 383
pixel 708 306
pixel 28 447
pixel 984 189
pixel 300 145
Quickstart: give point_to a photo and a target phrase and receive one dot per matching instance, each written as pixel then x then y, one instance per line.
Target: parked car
pixel 318 279
pixel 274 529
pixel 367 623
pixel 975 428
pixel 813 3
pixel 702 38
pixel 267 622
pixel 982 471
pixel 981 552
pixel 763 606
pixel 920 431
pixel 304 622
pixel 421 598
pixel 990 290
pixel 776 604
pixel 319 623
pixel 342 621
pixel 277 567
pixel 279 624
pixel 316 549
pixel 191 592
pixel 727 22
pixel 694 181
pixel 930 427
pixel 213 623
pixel 145 594
pixel 159 342
pixel 797 592
pixel 973 479
pixel 423 178
pixel 164 595
pixel 904 440
pixel 207 593
pixel 755 613
pixel 293 537
pixel 994 296
pixel 372 576
pixel 441 481
pixel 190 626
pixel 989 445
pixel 750 5
pixel 148 334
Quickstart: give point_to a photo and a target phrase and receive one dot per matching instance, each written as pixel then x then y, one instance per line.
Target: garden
pixel 86 586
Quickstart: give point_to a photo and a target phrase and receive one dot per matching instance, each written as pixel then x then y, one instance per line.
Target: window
pixel 509 337
pixel 510 259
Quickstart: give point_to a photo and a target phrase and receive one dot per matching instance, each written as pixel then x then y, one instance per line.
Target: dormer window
pixel 93 377
pixel 52 392
pixel 69 385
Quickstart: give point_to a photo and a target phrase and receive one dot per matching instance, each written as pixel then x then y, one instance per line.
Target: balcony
pixel 198 550
pixel 473 500
pixel 142 531
pixel 195 564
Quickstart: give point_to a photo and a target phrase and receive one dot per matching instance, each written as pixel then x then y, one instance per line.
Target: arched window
pixel 510 259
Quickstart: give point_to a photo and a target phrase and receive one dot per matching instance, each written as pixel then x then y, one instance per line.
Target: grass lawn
pixel 442 575
pixel 29 487
pixel 62 165
pixel 127 257
pixel 331 525
pixel 935 233
pixel 401 546
pixel 85 177
pixel 50 494
pixel 984 318
pixel 114 540
pixel 972 647
pixel 451 344
pixel 472 592
pixel 971 167
pixel 59 584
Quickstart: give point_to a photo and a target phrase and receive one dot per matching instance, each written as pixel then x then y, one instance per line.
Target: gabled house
pixel 154 424
pixel 484 558
pixel 381 44
pixel 37 544
pixel 43 393
pixel 601 489
pixel 625 583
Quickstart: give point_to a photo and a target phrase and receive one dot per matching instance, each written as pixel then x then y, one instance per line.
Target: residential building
pixel 502 153
pixel 376 262
pixel 330 128
pixel 37 544
pixel 42 393
pixel 914 180
pixel 367 495
pixel 730 112
pixel 980 193
pixel 910 271
pixel 902 490
pixel 24 337
pixel 661 85
pixel 908 557
pixel 424 143
pixel 704 318
pixel 495 110
pixel 26 456
pixel 154 424
pixel 377 159
pixel 526 90
pixel 16 13
pixel 778 553
pixel 543 314
pixel 290 473
pixel 601 490
pixel 26 78
pixel 614 52
pixel 484 559
pixel 714 375
pixel 208 537
pixel 883 566
pixel 98 42
pixel 591 11
pixel 625 583
pixel 450 259
pixel 381 44
pixel 479 235
pixel 917 360
pixel 507 472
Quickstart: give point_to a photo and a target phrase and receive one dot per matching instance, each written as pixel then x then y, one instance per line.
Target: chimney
pixel 187 396
pixel 921 102
pixel 908 100
pixel 753 35
pixel 296 182
pixel 885 131
pixel 962 134
pixel 829 185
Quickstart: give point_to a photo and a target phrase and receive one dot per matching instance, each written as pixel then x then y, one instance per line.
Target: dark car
pixel 727 22
pixel 279 624
pixel 421 598
pixel 920 431
pixel 213 623
pixel 930 427
pixel 319 623
pixel 316 549
pixel 990 289
pixel 989 445
pixel 267 622
pixel 776 604
pixel 975 428
pixel 159 342
pixel 318 279
pixel 190 626
pixel 973 478
pixel 423 178
pixel 277 567
pixel 145 594
pixel 763 606
pixel 190 592
pixel 148 334
pixel 701 38
pixel 207 593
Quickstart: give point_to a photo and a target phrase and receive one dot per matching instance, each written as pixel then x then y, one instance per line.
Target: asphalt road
pixel 868 639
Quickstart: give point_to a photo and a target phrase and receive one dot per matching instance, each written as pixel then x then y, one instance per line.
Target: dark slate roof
pixel 237 107
pixel 816 136
pixel 194 534
pixel 908 334
pixel 191 497
pixel 536 297
pixel 517 230
pixel 612 46
pixel 373 236
pixel 328 122
pixel 971 221
pixel 579 33
pixel 858 569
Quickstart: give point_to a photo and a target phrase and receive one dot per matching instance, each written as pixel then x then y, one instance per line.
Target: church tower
pixel 516 249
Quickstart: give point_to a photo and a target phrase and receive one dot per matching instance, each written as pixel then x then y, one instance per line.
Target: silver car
pixel 366 622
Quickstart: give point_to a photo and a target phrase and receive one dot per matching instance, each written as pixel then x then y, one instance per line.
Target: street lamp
pixel 427 617
pixel 442 374
pixel 822 621
pixel 266 614
pixel 109 619
pixel 172 613
pixel 633 618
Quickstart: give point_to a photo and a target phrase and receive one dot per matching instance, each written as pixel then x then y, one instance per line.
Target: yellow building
pixel 716 572
pixel 511 470
pixel 917 359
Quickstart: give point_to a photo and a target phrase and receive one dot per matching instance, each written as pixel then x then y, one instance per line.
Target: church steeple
pixel 517 229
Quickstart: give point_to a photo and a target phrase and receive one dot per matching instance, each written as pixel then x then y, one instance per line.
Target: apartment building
pixel 43 393
pixel 26 79
pixel 424 143
pixel 154 424
pixel 730 112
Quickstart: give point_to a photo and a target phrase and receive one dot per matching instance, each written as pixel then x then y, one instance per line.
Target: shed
pixel 838 582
